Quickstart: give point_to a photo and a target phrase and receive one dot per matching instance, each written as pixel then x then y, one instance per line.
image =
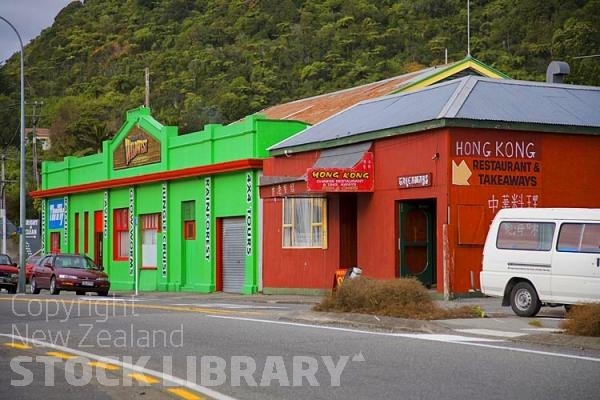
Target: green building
pixel 163 211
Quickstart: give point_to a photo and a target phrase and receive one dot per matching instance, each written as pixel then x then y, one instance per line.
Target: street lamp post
pixel 21 230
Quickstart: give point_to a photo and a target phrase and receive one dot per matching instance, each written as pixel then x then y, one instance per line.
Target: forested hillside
pixel 219 60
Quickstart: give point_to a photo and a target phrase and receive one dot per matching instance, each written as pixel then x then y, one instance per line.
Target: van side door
pixel 576 263
pixel 524 250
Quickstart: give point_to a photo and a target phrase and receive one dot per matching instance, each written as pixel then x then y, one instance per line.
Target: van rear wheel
pixel 524 300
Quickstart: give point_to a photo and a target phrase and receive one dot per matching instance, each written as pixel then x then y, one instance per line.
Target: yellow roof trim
pixel 461 66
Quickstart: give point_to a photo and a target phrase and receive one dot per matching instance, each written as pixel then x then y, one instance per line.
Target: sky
pixel 29 17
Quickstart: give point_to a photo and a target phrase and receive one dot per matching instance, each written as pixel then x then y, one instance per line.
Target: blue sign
pixel 56 214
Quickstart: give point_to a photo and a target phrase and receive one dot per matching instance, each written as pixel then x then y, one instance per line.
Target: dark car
pixel 31 262
pixel 72 272
pixel 9 274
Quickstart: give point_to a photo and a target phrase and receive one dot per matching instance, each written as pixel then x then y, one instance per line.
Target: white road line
pixel 228 305
pixel 491 332
pixel 550 330
pixel 464 340
pixel 165 377
pixel 425 336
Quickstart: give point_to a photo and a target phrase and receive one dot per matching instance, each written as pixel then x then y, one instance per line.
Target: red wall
pixel 378 213
pixel 566 175
pixel 298 268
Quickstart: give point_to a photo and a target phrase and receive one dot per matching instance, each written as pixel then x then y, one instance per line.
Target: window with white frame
pixel 150 227
pixel 305 222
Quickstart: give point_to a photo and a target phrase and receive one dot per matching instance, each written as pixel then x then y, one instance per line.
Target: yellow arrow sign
pixel 460 173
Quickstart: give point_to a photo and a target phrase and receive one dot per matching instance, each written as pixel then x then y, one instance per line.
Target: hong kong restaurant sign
pixel 358 178
pixel 138 148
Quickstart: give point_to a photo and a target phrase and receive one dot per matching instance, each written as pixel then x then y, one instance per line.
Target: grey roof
pixel 471 98
pixel 342 157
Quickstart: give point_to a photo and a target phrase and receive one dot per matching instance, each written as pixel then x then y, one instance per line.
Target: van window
pixel 525 235
pixel 581 238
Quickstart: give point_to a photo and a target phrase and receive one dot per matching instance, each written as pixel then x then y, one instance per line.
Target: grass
pixel 401 298
pixel 583 320
pixel 535 322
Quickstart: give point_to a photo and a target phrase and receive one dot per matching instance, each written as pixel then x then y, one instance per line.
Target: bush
pixel 402 298
pixel 583 320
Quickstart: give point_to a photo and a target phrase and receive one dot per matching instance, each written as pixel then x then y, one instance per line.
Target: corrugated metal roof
pixel 342 157
pixel 471 98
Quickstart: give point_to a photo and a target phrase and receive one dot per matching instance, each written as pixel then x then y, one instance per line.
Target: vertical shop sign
pixel 164 229
pixel 131 229
pixel 105 216
pixel 43 233
pixel 66 222
pixel 249 214
pixel 207 216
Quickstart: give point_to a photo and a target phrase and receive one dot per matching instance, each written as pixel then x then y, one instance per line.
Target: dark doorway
pixel 348 230
pixel 417 240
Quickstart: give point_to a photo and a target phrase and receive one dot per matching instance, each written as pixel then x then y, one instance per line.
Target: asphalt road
pixel 177 349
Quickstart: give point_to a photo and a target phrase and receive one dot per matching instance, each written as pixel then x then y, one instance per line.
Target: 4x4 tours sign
pixel 138 148
pixel 359 178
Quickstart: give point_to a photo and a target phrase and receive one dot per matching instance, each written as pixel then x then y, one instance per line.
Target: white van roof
pixel 550 213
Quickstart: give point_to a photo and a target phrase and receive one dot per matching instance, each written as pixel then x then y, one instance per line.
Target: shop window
pixel 305 222
pixel 121 234
pixel 188 211
pixel 55 242
pixel 150 226
pixel 76 232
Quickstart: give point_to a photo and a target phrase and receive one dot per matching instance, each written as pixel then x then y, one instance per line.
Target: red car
pixel 72 272
pixel 9 274
pixel 31 262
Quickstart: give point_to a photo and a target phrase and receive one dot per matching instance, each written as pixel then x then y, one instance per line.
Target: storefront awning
pixel 343 169
pixel 342 157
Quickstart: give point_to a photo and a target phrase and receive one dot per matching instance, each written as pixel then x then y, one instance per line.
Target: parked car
pixel 72 272
pixel 29 264
pixel 9 274
pixel 536 257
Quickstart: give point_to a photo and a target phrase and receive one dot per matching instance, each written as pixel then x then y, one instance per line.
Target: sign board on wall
pixel 56 213
pixel 506 168
pixel 501 160
pixel 138 148
pixel 414 181
pixel 359 178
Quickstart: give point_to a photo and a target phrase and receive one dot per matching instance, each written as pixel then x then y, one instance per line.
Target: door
pixel 348 230
pixel 98 238
pixel 417 241
pixel 43 272
pixel 233 254
pixel 576 263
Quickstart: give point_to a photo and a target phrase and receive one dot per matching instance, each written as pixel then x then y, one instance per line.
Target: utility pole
pixel 147 86
pixel 34 123
pixel 3 209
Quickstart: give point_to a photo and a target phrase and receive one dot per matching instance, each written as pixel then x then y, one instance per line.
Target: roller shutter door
pixel 234 254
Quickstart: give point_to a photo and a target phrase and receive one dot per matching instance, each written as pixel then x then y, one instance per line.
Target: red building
pixel 407 185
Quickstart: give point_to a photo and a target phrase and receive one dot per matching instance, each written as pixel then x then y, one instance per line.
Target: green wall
pixel 190 264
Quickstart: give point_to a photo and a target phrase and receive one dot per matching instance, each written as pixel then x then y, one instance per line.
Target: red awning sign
pixel 359 178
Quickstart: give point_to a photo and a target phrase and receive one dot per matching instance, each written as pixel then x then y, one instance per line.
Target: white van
pixel 542 256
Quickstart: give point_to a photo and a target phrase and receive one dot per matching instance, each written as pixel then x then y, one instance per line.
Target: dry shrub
pixel 401 298
pixel 583 320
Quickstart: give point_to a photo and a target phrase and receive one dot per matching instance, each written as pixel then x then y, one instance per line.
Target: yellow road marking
pixel 100 364
pixel 58 354
pixel 143 378
pixel 134 304
pixel 19 346
pixel 185 394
